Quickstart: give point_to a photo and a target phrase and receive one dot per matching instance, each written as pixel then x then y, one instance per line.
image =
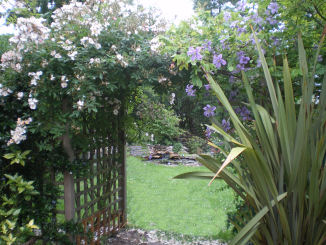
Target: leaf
pixel 9 156
pixel 16 212
pixel 31 225
pixel 234 153
pixel 268 76
pixel 195 175
pixel 197 81
pixel 247 231
pixel 25 153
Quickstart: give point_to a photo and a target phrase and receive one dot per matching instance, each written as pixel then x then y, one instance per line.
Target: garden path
pixel 141 237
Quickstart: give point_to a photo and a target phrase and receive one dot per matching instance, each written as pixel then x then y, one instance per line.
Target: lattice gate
pixel 97 200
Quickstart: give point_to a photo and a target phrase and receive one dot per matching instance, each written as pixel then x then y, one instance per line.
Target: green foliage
pixel 15 193
pixel 56 77
pixel 4 43
pixel 196 144
pixel 154 121
pixel 177 147
pixel 17 157
pixel 281 175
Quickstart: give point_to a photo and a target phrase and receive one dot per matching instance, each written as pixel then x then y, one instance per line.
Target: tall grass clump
pixel 281 175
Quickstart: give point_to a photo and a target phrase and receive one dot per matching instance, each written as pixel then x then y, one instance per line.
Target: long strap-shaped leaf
pixel 253 224
pixel 231 179
pixel 268 76
pixel 195 175
pixel 241 130
pixel 234 153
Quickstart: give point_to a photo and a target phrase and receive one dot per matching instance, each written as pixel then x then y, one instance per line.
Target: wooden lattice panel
pixel 97 200
pixel 99 197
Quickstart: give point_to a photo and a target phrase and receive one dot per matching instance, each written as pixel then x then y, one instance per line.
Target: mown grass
pixel 156 201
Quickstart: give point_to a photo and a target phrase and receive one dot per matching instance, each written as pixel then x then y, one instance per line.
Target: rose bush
pixel 53 76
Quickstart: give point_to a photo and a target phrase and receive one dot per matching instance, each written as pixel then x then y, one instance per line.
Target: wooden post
pixel 69 196
pixel 69 188
pixel 122 168
pixel 123 180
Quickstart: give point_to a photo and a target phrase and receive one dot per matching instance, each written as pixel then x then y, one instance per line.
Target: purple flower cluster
pixel 207 45
pixel 207 87
pixel 275 40
pixel 227 16
pixel 226 125
pixel 243 60
pixel 224 45
pixel 241 29
pixel 232 79
pixel 271 20
pixel 209 111
pixel 194 53
pixel 233 94
pixel 190 90
pixel 241 5
pixel 273 7
pixel 208 132
pixel 257 19
pixel 218 61
pixel 244 113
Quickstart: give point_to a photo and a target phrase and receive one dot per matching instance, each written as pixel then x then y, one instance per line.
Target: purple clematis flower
pixel 271 21
pixel 244 113
pixel 243 59
pixel 209 110
pixel 190 91
pixel 232 79
pixel 218 61
pixel 241 29
pixel 194 53
pixel 227 16
pixel 224 45
pixel 208 132
pixel 233 94
pixel 226 125
pixel 273 7
pixel 207 86
pixel 241 5
pixel 207 45
pixel 257 19
pixel 320 58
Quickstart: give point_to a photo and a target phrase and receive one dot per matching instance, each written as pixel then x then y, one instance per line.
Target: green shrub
pixel 155 122
pixel 177 146
pixel 14 228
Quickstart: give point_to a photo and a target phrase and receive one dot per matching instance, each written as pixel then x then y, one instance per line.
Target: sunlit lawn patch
pixel 156 201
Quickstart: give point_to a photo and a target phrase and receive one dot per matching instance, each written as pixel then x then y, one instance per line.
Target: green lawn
pixel 189 207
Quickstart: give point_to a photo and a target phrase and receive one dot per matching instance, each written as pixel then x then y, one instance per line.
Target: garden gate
pixel 97 199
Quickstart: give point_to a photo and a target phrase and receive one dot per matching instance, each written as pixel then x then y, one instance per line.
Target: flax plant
pixel 281 175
